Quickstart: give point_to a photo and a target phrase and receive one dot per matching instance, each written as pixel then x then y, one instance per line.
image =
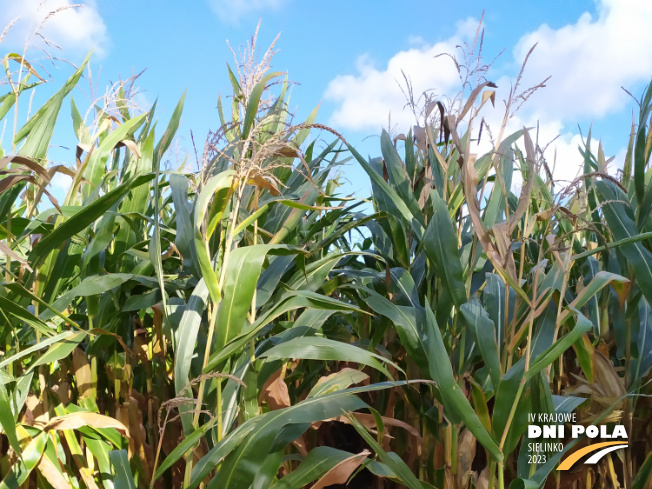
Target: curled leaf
pixel 74 421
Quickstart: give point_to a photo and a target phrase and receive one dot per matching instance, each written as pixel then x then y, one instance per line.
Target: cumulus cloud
pixel 75 30
pixel 233 10
pixel 590 60
pixel 366 100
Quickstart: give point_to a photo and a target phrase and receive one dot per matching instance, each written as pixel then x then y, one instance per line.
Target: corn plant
pixel 511 304
pixel 237 322
pixel 148 320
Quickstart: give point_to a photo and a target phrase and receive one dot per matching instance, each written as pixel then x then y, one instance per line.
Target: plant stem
pixel 213 311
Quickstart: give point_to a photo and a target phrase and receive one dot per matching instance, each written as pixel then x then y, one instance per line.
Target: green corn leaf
pixel 317 348
pixel 81 131
pixel 170 131
pixel 83 218
pixel 292 301
pixel 392 460
pixel 183 239
pixel 440 245
pixel 618 213
pixel 122 476
pixel 267 470
pixel 182 448
pixel 221 185
pixel 583 325
pixel 278 428
pixel 317 463
pixel 455 403
pixel 644 474
pixel 641 150
pixel 186 340
pixel 38 130
pixel 387 191
pixel 100 450
pixel 21 313
pixel 406 320
pixel 243 269
pixel 484 331
pixel 59 350
pixel 398 176
pixel 38 346
pixel 30 456
pixel 96 166
pixel 7 419
pixel 90 286
pixel 253 103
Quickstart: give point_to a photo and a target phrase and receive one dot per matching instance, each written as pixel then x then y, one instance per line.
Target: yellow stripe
pixel 571 459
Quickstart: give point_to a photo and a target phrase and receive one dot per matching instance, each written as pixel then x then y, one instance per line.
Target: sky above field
pixel 350 56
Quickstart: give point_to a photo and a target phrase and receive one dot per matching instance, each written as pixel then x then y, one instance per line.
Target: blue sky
pixel 348 57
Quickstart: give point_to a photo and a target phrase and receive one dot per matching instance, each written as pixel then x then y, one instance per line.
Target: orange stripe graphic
pixel 571 459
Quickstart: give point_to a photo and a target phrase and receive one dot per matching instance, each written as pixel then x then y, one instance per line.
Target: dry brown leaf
pixel 430 106
pixel 473 95
pixel 451 124
pixel 611 383
pixel 131 145
pixel 87 475
pixel 526 190
pixel 63 392
pixel 483 480
pixel 74 421
pixel 275 392
pixel 287 152
pixel 82 373
pixel 27 163
pixel 61 169
pixel 138 434
pixel 504 243
pixel 23 63
pixel 122 416
pixel 12 180
pixel 11 253
pixel 52 474
pixel 265 183
pixel 369 422
pixel 440 159
pixel 300 445
pixel 39 417
pixel 420 137
pixel 489 95
pixel 607 388
pixel 341 472
pixel 465 456
pixel 427 187
pixel 354 373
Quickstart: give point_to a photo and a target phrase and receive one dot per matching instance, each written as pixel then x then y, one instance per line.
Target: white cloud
pixel 75 30
pixel 589 61
pixel 60 185
pixel 365 100
pixel 234 10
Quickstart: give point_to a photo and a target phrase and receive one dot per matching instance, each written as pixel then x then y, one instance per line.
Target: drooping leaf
pixel 317 348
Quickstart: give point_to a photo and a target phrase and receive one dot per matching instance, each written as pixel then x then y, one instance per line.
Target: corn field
pixel 247 325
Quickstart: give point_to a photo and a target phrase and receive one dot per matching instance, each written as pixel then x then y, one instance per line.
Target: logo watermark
pixel 552 427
